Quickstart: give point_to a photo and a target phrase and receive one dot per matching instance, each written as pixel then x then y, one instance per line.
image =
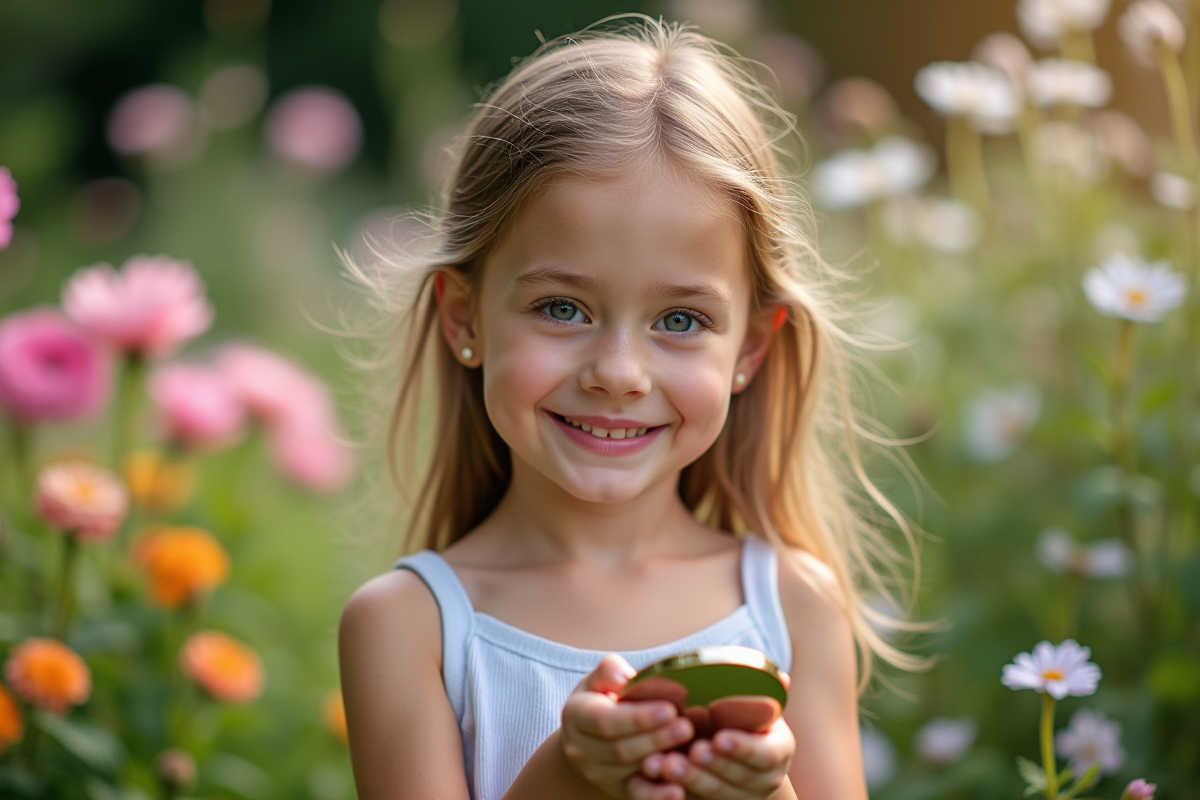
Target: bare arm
pixel 404 739
pixel 822 708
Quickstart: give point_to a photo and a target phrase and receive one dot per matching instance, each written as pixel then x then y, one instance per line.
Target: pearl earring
pixel 467 353
pixel 740 379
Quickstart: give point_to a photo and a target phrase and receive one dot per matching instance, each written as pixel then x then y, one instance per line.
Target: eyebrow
pixel 550 274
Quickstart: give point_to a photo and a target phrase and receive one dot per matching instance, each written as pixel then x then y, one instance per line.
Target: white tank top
pixel 508 686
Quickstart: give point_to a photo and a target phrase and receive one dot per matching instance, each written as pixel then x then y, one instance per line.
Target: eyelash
pixel 701 318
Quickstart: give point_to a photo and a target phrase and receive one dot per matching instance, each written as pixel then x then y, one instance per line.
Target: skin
pixel 650 320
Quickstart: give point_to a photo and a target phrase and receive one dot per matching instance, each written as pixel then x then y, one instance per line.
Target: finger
pixel 610 675
pixel 602 717
pixel 630 750
pixel 700 782
pixel 787 680
pixel 760 751
pixel 652 765
pixel 733 772
pixel 640 788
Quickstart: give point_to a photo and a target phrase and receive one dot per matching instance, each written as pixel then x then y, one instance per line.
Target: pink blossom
pixel 150 307
pixel 314 128
pixel 158 120
pixel 274 389
pixel 82 499
pixel 1139 790
pixel 49 368
pixel 197 406
pixel 313 457
pixel 9 205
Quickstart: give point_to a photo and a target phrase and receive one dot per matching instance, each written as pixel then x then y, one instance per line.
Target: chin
pixel 607 489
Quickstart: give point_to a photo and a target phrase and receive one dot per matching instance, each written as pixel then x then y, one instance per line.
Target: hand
pixel 735 765
pixel 606 741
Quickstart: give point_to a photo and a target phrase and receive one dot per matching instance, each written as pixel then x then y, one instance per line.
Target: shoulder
pixel 816 607
pixel 397 609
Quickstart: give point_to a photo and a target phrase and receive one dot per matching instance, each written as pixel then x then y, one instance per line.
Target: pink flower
pixel 9 205
pixel 314 128
pixel 276 390
pixel 49 368
pixel 1139 790
pixel 197 406
pixel 81 499
pixel 158 120
pixel 313 457
pixel 150 307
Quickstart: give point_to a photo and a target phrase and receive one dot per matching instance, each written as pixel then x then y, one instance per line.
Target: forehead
pixel 645 226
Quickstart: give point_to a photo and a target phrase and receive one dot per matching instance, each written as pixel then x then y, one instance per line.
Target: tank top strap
pixel 760 588
pixel 458 619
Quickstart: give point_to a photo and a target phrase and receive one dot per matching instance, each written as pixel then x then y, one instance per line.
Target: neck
pixel 541 521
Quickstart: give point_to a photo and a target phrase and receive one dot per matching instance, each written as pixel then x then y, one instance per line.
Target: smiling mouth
pixel 607 433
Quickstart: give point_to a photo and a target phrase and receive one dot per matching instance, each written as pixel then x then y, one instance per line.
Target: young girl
pixel 633 348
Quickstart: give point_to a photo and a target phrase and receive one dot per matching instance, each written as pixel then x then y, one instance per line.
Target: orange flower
pixel 12 728
pixel 47 673
pixel 181 564
pixel 81 499
pixel 335 715
pixel 159 484
pixel 222 666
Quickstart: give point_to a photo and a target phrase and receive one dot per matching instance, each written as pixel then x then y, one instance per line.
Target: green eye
pixel 562 311
pixel 678 322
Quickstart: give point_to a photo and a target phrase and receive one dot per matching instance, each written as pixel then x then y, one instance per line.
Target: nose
pixel 618 365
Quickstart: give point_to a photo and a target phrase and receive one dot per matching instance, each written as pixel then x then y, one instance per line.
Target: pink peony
pixel 49 368
pixel 197 406
pixel 82 499
pixel 274 389
pixel 150 307
pixel 315 128
pixel 9 205
pixel 313 457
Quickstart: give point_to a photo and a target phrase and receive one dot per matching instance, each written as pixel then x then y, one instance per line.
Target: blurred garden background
pixel 1007 217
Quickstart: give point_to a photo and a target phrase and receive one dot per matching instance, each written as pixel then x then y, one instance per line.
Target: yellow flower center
pixel 1136 297
pixel 1052 675
pixel 84 491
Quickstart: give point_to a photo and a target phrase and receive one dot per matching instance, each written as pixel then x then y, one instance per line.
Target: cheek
pixel 698 389
pixel 521 370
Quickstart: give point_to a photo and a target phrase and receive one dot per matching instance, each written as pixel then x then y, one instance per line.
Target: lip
pixel 607 446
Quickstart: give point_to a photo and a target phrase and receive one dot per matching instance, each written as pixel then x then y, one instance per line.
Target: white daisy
pixel 1060 81
pixel 1146 24
pixel 1005 52
pixel 1091 738
pixel 939 223
pixel 998 420
pixel 984 95
pixel 878 756
pixel 1126 286
pixel 856 177
pixel 1105 558
pixel 1173 191
pixel 942 741
pixel 1045 22
pixel 1060 671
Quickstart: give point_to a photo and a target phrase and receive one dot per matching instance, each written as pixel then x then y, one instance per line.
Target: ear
pixel 761 330
pixel 457 314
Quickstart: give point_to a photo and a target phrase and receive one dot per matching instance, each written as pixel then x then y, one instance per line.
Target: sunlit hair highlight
pixel 787 463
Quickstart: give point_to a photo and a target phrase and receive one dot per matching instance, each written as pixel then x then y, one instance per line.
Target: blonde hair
pixel 599 102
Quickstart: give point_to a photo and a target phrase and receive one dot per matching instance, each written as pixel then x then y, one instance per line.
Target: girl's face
pixel 610 325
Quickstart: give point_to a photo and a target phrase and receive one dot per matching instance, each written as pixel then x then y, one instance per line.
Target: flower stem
pixel 20 445
pixel 125 414
pixel 1048 764
pixel 1123 450
pixel 1177 101
pixel 70 549
pixel 964 162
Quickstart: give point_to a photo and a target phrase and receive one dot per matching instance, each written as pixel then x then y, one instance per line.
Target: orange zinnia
pixel 181 563
pixel 159 484
pixel 12 727
pixel 222 666
pixel 47 673
pixel 335 715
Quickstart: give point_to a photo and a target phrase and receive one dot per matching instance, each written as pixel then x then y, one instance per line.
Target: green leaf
pixel 98 749
pixel 1159 395
pixel 1064 777
pixel 1033 775
pixel 17 781
pixel 1089 778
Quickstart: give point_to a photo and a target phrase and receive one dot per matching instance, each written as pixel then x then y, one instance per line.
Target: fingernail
pixel 662 714
pixel 676 769
pixel 680 728
pixel 725 745
pixel 704 755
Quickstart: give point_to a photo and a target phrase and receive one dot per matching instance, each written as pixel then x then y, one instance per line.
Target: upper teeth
pixel 611 433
